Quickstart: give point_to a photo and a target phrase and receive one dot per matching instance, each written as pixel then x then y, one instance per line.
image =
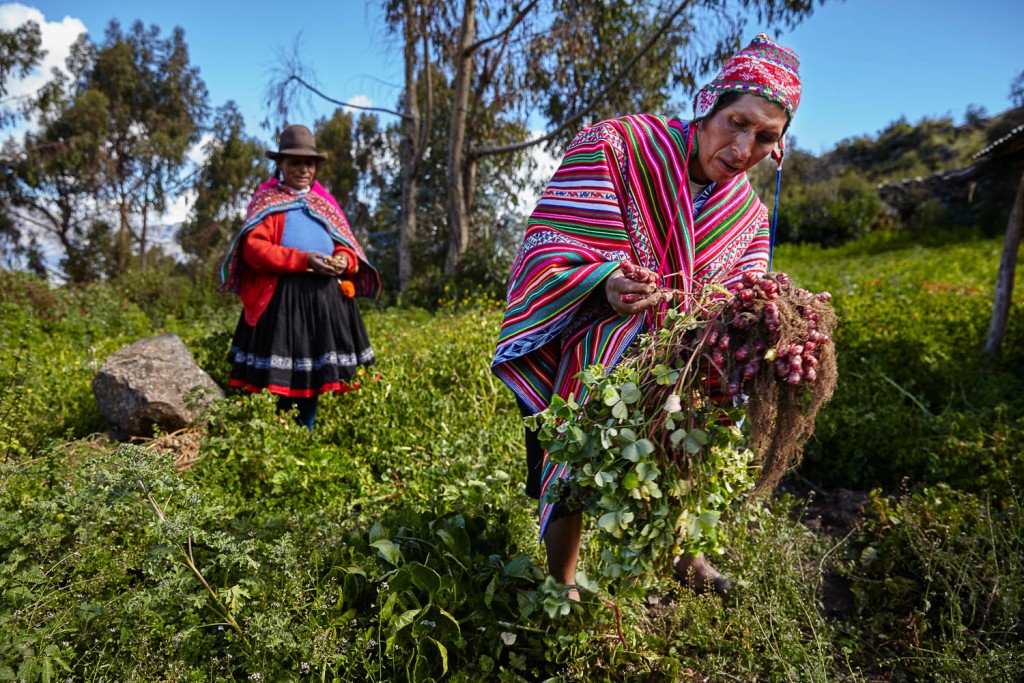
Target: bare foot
pixel 699 575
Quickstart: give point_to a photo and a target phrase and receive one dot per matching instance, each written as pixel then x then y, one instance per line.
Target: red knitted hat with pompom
pixel 762 68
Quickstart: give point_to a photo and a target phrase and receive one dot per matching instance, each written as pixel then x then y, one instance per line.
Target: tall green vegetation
pixel 90 176
pixel 114 132
pixel 829 213
pixel 396 543
pixel 477 72
pixel 876 182
pixel 905 150
pixel 20 52
pixel 1017 90
pixel 112 149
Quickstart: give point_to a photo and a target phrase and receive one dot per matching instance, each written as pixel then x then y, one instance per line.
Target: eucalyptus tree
pixel 233 166
pixel 335 137
pixel 20 51
pixel 55 177
pixel 356 170
pixel 133 106
pixel 572 61
pixel 410 20
pixel 157 105
pixel 504 65
pixel 1017 90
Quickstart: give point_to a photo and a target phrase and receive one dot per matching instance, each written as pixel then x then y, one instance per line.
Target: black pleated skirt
pixel 310 340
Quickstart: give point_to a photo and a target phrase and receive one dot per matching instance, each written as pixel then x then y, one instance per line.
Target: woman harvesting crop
pixel 641 207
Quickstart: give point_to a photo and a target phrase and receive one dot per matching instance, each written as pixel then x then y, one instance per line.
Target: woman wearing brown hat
pixel 296 265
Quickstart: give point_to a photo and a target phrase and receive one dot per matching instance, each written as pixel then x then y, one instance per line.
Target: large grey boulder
pixel 153 381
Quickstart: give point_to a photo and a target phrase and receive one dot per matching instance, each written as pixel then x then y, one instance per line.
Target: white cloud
pixel 177 209
pixel 360 100
pixel 57 38
pixel 544 166
pixel 197 152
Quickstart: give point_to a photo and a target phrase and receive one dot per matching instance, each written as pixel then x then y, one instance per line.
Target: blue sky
pixel 864 63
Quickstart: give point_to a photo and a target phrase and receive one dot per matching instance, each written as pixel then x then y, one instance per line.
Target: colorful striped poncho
pixel 620 194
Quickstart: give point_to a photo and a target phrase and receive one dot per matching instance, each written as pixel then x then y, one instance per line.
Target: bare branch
pixel 516 20
pixel 51 225
pixel 303 83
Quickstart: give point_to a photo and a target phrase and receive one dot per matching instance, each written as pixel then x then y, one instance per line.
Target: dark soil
pixel 835 514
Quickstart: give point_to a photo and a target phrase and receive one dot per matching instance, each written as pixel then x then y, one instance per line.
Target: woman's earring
pixel 779 151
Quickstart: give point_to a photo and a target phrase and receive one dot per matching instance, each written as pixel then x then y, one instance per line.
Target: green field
pixel 395 543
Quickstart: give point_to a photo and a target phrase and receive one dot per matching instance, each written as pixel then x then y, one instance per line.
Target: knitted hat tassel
pixel 775 216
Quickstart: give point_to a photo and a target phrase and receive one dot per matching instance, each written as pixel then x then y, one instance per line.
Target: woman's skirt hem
pixel 330 387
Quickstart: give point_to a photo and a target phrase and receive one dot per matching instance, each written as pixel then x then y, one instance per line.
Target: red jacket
pixel 265 259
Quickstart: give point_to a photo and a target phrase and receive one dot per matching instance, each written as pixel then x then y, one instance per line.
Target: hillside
pixel 844 194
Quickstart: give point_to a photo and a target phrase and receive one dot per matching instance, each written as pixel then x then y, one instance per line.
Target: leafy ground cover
pixel 395 543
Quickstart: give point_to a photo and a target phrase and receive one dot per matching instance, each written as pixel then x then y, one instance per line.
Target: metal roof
pixel 1005 140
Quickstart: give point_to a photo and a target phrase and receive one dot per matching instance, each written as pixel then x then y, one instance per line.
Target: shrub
pixel 830 212
pixel 941 572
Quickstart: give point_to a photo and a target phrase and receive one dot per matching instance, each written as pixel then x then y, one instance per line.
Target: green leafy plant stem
pixel 190 562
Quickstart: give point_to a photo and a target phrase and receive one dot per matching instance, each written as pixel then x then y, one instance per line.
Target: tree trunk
pixel 469 184
pixel 409 153
pixel 469 180
pixel 123 245
pixel 1004 281
pixel 458 221
pixel 143 236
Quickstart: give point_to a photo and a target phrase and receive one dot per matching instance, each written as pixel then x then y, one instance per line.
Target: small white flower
pixel 673 404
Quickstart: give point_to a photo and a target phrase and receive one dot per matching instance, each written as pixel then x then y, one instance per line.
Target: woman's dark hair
pixel 724 100
pixel 280 176
pixel 727 98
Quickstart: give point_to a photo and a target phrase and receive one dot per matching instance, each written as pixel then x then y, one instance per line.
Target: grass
pixel 396 542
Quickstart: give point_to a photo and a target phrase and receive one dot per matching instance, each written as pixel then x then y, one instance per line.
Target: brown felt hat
pixel 296 141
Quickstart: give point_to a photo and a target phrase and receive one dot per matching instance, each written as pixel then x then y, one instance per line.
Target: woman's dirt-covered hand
pixel 635 292
pixel 327 265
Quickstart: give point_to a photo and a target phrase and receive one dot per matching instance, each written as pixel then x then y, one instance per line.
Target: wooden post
pixel 1004 281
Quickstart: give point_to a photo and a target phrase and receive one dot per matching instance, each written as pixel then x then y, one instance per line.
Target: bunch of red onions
pixel 769 324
